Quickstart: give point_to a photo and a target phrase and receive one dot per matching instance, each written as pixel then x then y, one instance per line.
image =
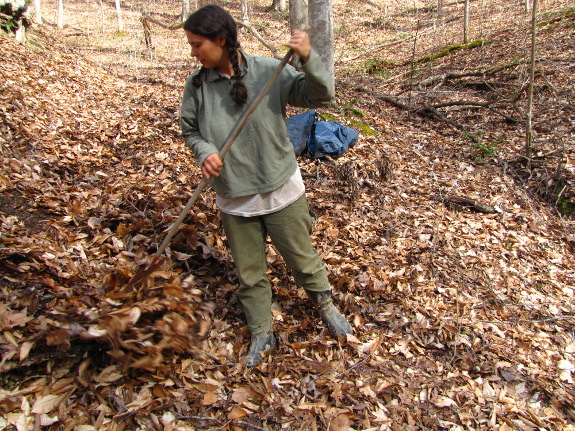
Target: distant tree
pixel 119 13
pixel 321 31
pixel 245 11
pixel 298 14
pixel 38 11
pixel 13 18
pixel 102 15
pixel 466 22
pixel 60 13
pixel 185 10
pixel 279 5
pixel 529 131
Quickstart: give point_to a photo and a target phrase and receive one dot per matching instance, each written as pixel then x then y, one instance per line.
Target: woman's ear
pixel 220 40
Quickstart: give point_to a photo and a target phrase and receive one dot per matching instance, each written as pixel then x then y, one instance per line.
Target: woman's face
pixel 210 53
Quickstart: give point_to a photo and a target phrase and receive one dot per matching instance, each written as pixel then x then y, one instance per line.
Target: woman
pixel 259 188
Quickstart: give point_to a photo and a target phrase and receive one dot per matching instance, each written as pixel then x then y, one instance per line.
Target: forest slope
pixel 463 319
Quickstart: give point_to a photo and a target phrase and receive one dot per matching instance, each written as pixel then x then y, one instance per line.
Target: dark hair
pixel 212 21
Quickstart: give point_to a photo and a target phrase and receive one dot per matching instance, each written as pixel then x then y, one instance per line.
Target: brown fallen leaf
pixel 237 413
pixel 46 404
pixel 340 423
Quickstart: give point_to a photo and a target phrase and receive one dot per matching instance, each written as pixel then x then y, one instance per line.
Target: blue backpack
pixel 316 138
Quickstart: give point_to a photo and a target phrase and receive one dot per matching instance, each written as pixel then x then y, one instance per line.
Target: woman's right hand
pixel 300 44
pixel 212 165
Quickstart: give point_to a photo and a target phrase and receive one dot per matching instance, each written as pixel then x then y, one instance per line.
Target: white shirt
pixel 264 203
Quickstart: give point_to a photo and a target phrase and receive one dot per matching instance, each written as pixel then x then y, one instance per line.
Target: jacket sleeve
pixel 189 124
pixel 312 86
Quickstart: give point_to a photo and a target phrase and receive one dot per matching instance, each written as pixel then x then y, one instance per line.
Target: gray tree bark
pixel 298 18
pixel 321 31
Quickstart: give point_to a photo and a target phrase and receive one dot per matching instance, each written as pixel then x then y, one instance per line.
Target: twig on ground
pixel 252 426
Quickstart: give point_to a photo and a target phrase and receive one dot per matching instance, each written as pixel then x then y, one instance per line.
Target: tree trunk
pixel 527 7
pixel 439 17
pixel 298 14
pixel 529 131
pixel 119 12
pixel 38 11
pixel 466 23
pixel 185 10
pixel 245 11
pixel 60 14
pixel 279 5
pixel 321 31
pixel 102 17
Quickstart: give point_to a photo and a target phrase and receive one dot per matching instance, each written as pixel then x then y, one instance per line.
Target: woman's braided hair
pixel 212 21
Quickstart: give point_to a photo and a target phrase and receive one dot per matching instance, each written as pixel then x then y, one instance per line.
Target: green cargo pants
pixel 289 230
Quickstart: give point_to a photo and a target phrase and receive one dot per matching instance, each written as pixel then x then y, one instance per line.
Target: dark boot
pixel 262 342
pixel 338 325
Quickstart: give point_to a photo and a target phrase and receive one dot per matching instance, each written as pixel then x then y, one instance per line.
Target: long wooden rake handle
pixel 231 138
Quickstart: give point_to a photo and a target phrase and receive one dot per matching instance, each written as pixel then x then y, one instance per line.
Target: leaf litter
pixel 463 320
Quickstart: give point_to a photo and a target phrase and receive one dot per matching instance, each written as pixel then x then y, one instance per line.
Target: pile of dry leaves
pixel 463 319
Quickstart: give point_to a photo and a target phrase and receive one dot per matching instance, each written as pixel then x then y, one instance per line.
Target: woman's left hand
pixel 300 44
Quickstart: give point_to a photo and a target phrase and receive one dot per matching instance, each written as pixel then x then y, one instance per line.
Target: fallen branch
pixel 314 176
pixel 422 111
pixel 468 203
pixel 252 426
pixel 433 110
pixel 437 114
pixel 434 80
pixel 472 103
pixel 450 49
pixel 535 160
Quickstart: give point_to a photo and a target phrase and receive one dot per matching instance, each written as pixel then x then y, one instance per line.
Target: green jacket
pixel 262 157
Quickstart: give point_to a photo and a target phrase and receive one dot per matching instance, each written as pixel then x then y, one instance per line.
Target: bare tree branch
pixel 253 31
pixel 173 26
pixel 146 19
pixel 424 111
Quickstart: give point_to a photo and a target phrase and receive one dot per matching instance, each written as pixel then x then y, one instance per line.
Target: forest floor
pixel 450 250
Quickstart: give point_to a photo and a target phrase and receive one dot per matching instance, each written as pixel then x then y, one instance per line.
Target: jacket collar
pixel 213 75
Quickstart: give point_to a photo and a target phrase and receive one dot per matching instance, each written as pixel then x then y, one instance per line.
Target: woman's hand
pixel 300 44
pixel 212 165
